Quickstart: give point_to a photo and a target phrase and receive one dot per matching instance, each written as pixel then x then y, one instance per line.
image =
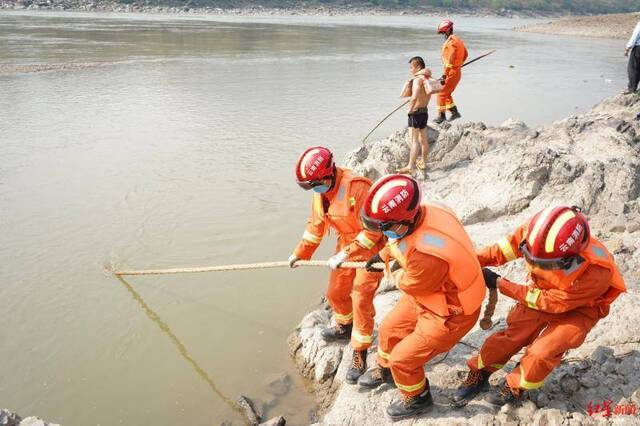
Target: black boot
pixel 411 406
pixel 337 332
pixel 476 382
pixel 358 367
pixel 454 114
pixel 504 395
pixel 441 118
pixel 375 377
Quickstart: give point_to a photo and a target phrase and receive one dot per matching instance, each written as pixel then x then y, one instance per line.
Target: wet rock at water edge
pixel 252 413
pixel 276 421
pixel 278 384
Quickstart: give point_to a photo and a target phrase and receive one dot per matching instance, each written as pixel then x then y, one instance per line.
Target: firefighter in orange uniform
pixel 454 53
pixel 572 282
pixel 337 200
pixel 442 287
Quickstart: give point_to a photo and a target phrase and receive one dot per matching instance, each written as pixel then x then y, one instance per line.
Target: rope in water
pixel 243 266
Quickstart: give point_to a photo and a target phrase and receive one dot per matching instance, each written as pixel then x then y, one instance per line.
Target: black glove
pixel 375 259
pixel 443 79
pixel 490 278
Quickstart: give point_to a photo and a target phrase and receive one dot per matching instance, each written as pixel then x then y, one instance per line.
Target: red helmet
pixel 314 165
pixel 555 237
pixel 445 26
pixel 392 199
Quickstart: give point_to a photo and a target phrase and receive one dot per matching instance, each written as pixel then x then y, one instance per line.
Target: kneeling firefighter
pixel 442 285
pixel 337 199
pixel 572 281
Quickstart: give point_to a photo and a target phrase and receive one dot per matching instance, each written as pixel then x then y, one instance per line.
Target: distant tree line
pixel 573 6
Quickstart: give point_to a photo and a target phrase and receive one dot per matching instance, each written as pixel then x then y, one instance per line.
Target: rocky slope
pixel 495 178
pixel 7 418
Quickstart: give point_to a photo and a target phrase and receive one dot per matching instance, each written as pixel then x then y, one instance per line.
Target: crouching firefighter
pixel 337 199
pixel 572 281
pixel 442 287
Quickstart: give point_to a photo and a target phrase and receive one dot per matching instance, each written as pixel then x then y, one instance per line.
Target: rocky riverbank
pixel 495 178
pixel 618 25
pixel 8 418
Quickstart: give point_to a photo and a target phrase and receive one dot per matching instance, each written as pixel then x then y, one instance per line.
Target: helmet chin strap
pixel 333 178
pixel 416 219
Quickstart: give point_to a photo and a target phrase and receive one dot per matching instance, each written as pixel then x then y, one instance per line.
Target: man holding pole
pixel 337 200
pixel 454 53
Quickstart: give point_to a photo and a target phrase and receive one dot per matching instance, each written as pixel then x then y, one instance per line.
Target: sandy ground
pixel 619 26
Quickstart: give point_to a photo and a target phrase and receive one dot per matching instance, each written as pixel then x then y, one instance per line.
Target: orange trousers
pixel 445 100
pixel 547 337
pixel 410 336
pixel 350 294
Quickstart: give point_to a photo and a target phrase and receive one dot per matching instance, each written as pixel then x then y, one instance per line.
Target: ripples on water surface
pixel 179 152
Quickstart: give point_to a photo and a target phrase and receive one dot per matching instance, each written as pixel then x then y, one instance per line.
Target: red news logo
pixel 607 410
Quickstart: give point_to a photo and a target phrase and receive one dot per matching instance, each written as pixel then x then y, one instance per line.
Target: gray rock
pixel 619 224
pixel 601 355
pixel 276 421
pixel 551 417
pixel 278 384
pixel 7 418
pixel 569 384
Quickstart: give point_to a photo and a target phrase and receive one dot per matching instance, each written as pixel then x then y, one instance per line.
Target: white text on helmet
pixel 395 201
pixel 315 165
pixel 572 239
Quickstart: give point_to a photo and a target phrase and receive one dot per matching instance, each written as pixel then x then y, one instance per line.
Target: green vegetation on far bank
pixel 555 6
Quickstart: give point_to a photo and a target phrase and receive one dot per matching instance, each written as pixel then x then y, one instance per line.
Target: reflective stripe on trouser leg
pixel 364 290
pixel 523 326
pixel 339 294
pixel 477 363
pixel 398 324
pixel 432 336
pixel 563 332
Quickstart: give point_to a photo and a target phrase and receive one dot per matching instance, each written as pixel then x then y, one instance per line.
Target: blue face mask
pixel 320 189
pixel 393 235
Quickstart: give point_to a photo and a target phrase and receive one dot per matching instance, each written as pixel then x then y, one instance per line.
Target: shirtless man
pixel 418 89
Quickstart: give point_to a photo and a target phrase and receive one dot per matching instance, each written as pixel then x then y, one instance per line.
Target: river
pixel 178 149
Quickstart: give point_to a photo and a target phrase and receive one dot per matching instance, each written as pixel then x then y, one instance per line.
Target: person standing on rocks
pixel 573 279
pixel 416 89
pixel 454 53
pixel 442 285
pixel 338 197
pixel 633 52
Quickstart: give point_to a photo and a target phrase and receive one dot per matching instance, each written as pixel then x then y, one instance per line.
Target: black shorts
pixel 418 120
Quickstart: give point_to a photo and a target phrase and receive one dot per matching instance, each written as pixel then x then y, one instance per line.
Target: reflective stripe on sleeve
pixel 313 239
pixel 365 241
pixel 532 298
pixel 506 249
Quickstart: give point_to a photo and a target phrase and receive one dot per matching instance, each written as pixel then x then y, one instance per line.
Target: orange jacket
pixel 454 53
pixel 340 209
pixel 594 283
pixel 442 272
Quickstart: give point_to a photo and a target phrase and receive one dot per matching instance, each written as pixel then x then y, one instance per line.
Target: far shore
pixel 110 6
pixel 615 26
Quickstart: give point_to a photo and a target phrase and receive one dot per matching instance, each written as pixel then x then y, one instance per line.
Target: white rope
pixel 244 266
